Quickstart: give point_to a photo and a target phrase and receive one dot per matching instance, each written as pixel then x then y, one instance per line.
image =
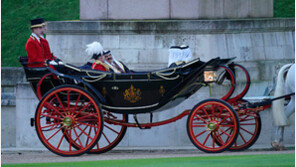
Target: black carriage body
pixel 131 93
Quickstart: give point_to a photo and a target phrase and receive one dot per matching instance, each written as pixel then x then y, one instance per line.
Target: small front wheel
pixel 210 119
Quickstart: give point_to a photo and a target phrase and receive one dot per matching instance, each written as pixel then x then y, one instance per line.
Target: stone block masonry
pixel 174 9
pixel 147 42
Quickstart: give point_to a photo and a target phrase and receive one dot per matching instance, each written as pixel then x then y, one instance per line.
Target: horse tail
pixel 278 108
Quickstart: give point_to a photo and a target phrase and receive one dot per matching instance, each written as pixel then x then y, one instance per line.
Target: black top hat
pixel 96 56
pixel 106 52
pixel 180 47
pixel 37 23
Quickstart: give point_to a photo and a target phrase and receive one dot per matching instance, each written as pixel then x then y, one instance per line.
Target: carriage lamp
pixel 209 76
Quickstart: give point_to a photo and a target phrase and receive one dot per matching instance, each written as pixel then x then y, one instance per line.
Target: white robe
pixel 177 54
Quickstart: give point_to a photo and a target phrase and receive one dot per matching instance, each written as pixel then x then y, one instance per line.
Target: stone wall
pixel 10 77
pixel 174 9
pixel 145 44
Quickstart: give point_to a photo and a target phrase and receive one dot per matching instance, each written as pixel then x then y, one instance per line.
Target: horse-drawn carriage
pixel 84 111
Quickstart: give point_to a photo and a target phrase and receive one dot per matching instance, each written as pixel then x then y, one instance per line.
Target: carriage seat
pixel 86 66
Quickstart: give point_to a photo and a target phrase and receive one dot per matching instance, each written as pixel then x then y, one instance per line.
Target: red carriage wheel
pixel 45 84
pixel 241 74
pixel 250 128
pixel 68 111
pixel 224 83
pixel 111 134
pixel 209 117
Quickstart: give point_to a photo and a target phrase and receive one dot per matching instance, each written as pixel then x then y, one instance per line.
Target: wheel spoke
pixel 84 133
pixel 89 135
pixel 247 131
pixel 111 129
pixel 51 116
pixel 198 117
pixel 247 120
pixel 224 119
pixel 68 100
pixel 223 132
pixel 61 140
pixel 243 119
pixel 247 124
pixel 213 112
pixel 199 125
pixel 200 133
pixel 83 108
pixel 228 136
pixel 242 137
pixel 81 132
pixel 77 137
pixel 219 113
pixel 206 139
pixel 77 102
pixel 60 102
pixel 98 141
pixel 48 105
pixel 106 138
pixel 70 139
pixel 79 118
pixel 206 113
pixel 50 125
pixel 54 133
pixel 226 125
pixel 85 124
pixel 213 142
pixel 220 138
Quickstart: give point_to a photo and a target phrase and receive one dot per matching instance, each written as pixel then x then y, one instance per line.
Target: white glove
pixel 52 62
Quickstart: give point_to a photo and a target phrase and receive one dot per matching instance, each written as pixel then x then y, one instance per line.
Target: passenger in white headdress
pixel 116 66
pixel 179 55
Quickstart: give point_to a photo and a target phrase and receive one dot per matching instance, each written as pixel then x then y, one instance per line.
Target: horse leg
pixel 278 143
pixel 290 108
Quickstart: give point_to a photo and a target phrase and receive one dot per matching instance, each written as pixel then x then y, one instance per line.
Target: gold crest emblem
pixel 104 91
pixel 161 90
pixel 132 94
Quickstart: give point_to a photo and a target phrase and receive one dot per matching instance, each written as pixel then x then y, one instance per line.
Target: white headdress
pixel 179 53
pixel 94 48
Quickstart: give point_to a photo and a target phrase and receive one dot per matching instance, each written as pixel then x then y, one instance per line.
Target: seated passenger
pixel 99 63
pixel 95 50
pixel 179 55
pixel 114 65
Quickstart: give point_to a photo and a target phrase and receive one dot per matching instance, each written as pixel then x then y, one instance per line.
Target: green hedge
pixel 17 13
pixel 284 8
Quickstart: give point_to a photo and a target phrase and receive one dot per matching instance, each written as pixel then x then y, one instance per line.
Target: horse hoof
pixel 276 146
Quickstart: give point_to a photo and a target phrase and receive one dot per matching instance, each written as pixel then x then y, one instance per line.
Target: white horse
pixel 285 85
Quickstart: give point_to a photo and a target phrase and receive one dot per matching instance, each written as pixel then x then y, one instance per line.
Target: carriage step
pixel 32 120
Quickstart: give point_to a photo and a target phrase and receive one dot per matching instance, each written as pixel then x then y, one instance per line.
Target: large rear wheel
pixel 64 115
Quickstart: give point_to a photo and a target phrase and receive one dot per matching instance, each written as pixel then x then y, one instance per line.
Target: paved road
pixel 46 156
